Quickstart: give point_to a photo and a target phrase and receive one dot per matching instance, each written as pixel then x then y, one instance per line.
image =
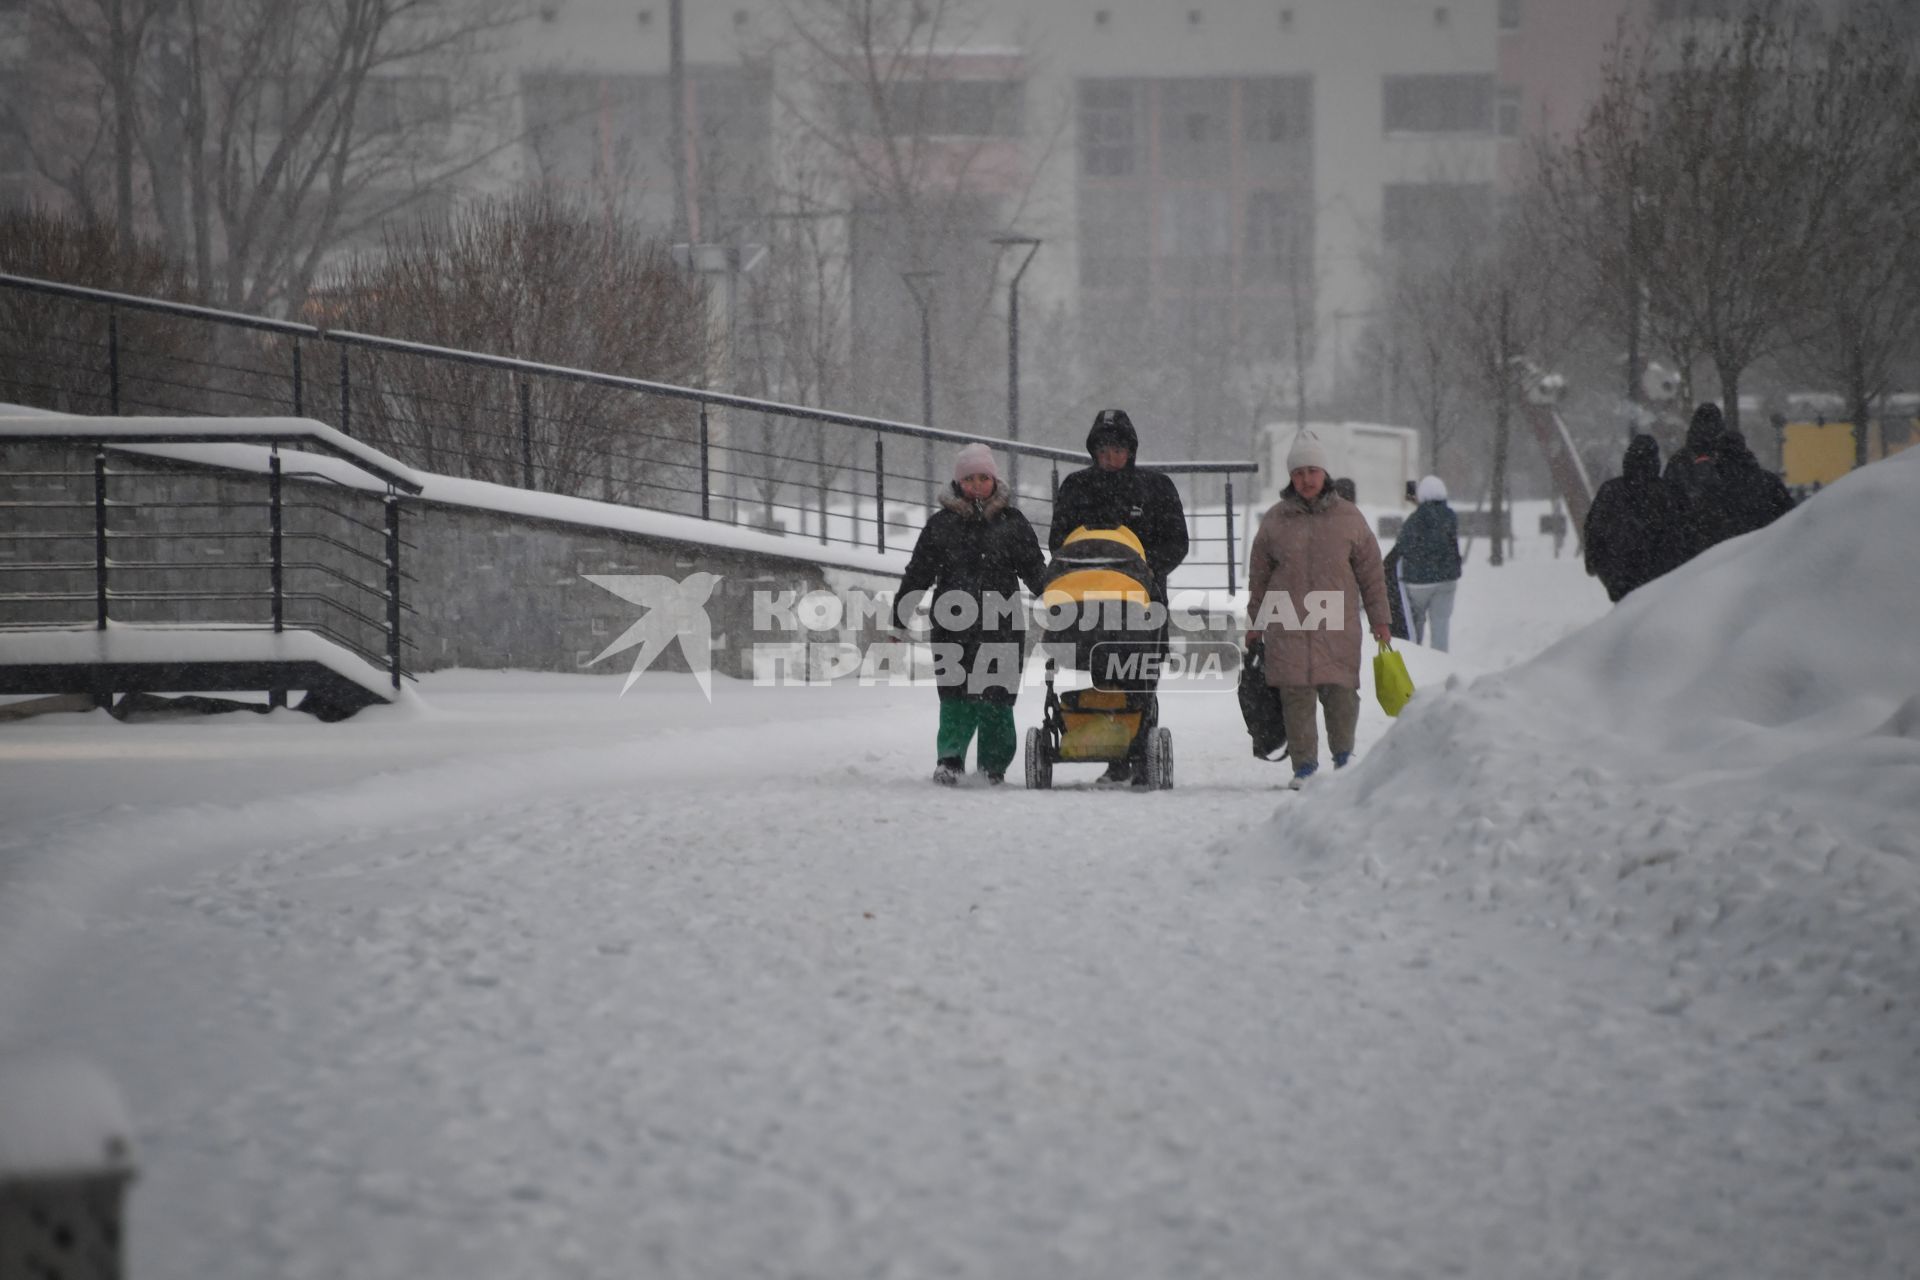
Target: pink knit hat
pixel 974 460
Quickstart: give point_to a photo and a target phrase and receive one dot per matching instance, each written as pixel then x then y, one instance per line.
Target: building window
pixel 1510 15
pixel 1113 240
pixel 390 103
pixel 1109 136
pixel 1438 104
pixel 1193 128
pixel 938 108
pixel 1435 213
pixel 1195 237
pixel 1507 112
pixel 1681 10
pixel 1276 110
pixel 1279 234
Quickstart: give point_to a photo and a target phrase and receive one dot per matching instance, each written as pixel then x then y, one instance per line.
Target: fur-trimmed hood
pixel 1290 496
pixel 961 505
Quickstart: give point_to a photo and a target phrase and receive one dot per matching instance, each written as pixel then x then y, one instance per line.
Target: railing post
pixel 276 697
pixel 706 464
pixel 346 395
pixel 393 588
pixel 526 432
pixel 1230 554
pixel 113 358
pixel 100 539
pixel 879 492
pixel 299 384
pixel 276 567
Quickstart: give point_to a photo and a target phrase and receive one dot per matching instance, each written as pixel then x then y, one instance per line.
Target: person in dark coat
pixel 1721 488
pixel 973 554
pixel 1634 531
pixel 1429 568
pixel 1706 517
pixel 1756 496
pixel 1114 493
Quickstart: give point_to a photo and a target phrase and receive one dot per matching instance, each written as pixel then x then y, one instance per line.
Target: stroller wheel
pixel 1159 761
pixel 1039 766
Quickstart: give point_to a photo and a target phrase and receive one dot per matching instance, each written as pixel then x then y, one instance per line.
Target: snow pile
pixel 1722 774
pixel 59 1114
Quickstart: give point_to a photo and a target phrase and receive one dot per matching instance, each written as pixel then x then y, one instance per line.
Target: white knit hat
pixel 974 460
pixel 1431 489
pixel 1307 451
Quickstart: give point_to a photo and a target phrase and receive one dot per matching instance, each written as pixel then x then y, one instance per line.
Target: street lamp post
pixel 920 285
pixel 730 262
pixel 1032 246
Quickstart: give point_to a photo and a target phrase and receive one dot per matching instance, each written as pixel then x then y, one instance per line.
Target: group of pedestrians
pixel 979 545
pixel 1314 552
pixel 1646 522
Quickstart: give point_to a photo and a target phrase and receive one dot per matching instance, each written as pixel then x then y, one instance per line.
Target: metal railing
pixel 137 542
pixel 818 474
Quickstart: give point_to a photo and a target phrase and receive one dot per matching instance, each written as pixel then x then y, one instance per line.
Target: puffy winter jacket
pixel 1301 550
pixel 983 550
pixel 1144 501
pixel 1429 544
pixel 1634 531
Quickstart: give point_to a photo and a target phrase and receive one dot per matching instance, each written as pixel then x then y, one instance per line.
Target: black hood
pixel 1733 448
pixel 1642 463
pixel 1113 426
pixel 1704 432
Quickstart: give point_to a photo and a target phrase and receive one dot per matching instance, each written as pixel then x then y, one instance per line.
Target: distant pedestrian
pixel 1757 496
pixel 1429 547
pixel 1634 531
pixel 1720 486
pixel 1694 472
pixel 1312 566
pixel 973 554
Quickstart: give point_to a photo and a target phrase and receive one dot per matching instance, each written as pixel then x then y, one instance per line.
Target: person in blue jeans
pixel 1429 556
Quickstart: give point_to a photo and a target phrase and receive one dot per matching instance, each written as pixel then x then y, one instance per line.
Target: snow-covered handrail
pixel 40 428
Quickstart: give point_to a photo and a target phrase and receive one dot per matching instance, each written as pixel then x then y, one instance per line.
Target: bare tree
pixel 53 351
pixel 1865 314
pixel 932 150
pixel 261 136
pixel 533 277
pixel 1705 182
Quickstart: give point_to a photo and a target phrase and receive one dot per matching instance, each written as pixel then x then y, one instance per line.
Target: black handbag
pixel 1260 703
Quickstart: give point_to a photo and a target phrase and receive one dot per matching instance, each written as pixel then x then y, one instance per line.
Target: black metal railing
pixel 182 546
pixel 816 474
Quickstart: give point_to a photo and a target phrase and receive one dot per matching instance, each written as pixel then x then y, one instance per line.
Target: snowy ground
pixel 1602 966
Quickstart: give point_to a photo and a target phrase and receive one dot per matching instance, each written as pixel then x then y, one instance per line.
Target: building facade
pixel 1213 183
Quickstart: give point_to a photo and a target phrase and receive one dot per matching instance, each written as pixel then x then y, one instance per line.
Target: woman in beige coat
pixel 1313 564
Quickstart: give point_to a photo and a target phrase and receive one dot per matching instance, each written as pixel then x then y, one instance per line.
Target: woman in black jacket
pixel 972 556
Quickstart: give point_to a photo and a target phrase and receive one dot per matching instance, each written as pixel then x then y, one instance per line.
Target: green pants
pixel 959 717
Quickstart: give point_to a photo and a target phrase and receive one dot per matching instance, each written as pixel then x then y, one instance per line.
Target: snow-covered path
pixel 542 983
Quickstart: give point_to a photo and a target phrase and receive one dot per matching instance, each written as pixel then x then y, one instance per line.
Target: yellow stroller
pixel 1100 577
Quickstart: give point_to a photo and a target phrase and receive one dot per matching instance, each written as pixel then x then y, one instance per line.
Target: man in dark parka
pixel 1634 532
pixel 1114 493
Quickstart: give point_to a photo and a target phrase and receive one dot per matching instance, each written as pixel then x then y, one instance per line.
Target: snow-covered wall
pixel 496 585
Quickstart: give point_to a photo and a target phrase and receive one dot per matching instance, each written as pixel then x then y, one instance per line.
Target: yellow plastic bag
pixel 1391 683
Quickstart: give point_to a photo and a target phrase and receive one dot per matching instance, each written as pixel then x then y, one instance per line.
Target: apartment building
pixel 1225 172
